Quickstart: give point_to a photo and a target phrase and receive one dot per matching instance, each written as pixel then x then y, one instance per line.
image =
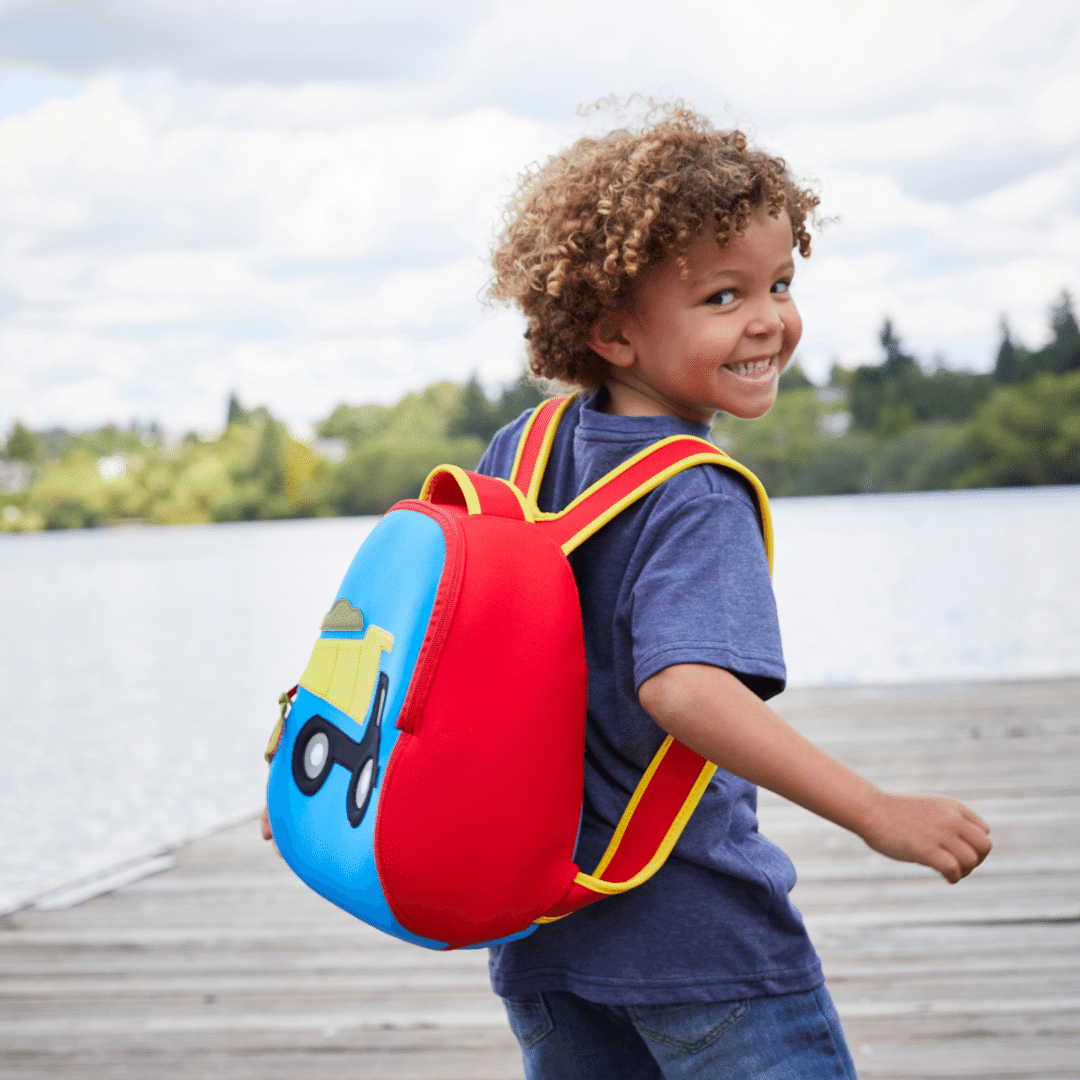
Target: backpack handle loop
pixel 452 486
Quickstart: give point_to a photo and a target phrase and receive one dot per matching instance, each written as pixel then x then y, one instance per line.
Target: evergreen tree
pixel 477 416
pixel 268 464
pixel 897 364
pixel 1007 364
pixel 516 398
pixel 23 445
pixel 236 413
pixel 1064 349
pixel 474 414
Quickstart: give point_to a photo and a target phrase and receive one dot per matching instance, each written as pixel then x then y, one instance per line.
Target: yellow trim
pixel 527 510
pixel 594 882
pixel 710 455
pixel 610 888
pixel 631 806
pixel 524 438
pixel 545 446
pixel 425 487
pixel 763 504
pixel 472 500
pixel 642 489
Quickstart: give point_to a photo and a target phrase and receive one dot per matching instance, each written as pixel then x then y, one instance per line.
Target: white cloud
pixel 1056 109
pixel 313 273
pixel 166 239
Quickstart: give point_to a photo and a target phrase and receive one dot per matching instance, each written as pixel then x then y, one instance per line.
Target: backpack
pixel 427 773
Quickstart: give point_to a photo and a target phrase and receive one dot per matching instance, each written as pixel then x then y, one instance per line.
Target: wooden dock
pixel 226 967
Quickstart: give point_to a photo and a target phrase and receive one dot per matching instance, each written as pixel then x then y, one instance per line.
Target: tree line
pixel 364 459
pixel 895 425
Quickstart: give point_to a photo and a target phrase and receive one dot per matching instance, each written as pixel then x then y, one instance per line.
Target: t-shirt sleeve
pixel 703 594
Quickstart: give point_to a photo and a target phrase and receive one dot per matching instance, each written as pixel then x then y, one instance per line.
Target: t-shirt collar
pixel 602 425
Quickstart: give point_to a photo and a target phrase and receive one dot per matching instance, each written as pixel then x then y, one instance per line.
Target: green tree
pixel 1007 363
pixel 897 394
pixel 925 457
pixel 1064 348
pixel 947 394
pixel 1062 353
pixel 391 462
pixel 354 423
pixel 839 377
pixel 873 387
pixel 235 414
pixel 515 399
pixel 897 364
pixel 790 449
pixel 1027 434
pixel 793 378
pixel 474 415
pixel 23 445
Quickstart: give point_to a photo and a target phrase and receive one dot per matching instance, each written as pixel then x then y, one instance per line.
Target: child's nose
pixel 764 321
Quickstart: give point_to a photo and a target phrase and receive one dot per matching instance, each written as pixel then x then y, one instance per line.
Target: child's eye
pixel 781 286
pixel 722 298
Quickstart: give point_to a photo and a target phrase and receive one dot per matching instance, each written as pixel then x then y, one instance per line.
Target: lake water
pixel 141 666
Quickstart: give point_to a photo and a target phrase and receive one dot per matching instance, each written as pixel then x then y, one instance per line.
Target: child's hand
pixel 712 712
pixel 267 832
pixel 930 829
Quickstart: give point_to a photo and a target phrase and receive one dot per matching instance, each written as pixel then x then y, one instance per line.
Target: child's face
pixel 716 340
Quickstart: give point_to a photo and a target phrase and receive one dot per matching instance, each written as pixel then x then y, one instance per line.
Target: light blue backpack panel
pixel 392 583
pixel 388 595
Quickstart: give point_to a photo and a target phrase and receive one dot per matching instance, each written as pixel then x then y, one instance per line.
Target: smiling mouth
pixel 750 369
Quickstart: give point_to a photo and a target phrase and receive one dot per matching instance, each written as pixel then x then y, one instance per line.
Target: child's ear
pixel 606 338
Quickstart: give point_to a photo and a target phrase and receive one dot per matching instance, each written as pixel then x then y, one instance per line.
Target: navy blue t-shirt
pixel 679 577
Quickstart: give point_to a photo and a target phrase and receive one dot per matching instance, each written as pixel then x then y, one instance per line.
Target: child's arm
pixel 712 712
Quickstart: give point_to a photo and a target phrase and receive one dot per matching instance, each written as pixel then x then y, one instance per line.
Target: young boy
pixel 655 270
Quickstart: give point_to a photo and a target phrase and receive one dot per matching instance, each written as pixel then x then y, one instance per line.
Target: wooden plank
pixel 228 967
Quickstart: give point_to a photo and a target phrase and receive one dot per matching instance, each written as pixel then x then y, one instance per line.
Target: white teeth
pixel 754 367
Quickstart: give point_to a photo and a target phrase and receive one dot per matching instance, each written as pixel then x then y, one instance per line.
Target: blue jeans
pixel 788 1037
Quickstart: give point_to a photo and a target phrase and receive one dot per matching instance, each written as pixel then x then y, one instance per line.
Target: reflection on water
pixel 141 666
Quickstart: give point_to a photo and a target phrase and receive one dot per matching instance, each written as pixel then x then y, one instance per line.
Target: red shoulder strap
pixel 534 446
pixel 630 481
pixel 677 777
pixel 612 493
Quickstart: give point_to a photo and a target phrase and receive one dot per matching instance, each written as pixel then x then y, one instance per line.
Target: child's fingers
pixel 973 818
pixel 960 854
pixel 978 837
pixel 947 865
pixel 954 863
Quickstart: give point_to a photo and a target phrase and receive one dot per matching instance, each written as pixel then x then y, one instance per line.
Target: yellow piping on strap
pixel 472 500
pixel 528 509
pixel 710 455
pixel 597 884
pixel 545 447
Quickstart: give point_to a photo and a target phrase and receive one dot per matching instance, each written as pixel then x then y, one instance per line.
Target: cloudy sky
pixel 294 199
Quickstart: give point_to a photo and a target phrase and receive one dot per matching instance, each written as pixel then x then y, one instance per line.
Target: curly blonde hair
pixel 582 228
